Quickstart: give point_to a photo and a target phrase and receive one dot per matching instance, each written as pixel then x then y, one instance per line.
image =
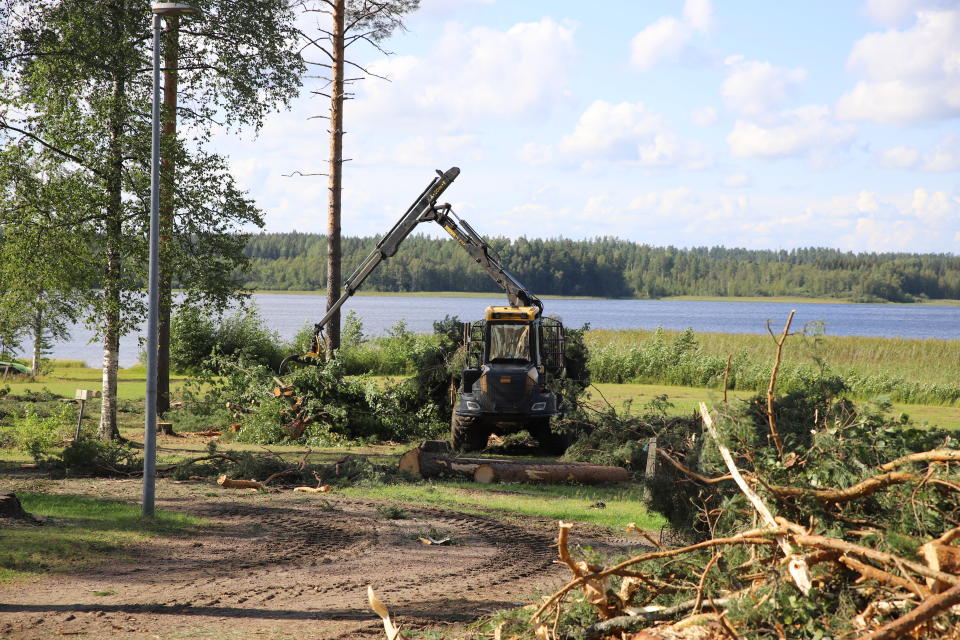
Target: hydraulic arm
pixel 425 209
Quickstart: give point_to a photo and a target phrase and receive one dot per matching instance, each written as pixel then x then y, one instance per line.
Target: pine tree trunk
pixel 167 169
pixel 336 176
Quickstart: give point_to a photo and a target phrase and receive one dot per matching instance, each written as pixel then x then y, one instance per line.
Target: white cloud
pixel 626 132
pixel 668 37
pixel 753 88
pixel 895 12
pixel 668 150
pixel 910 75
pixel 611 130
pixel 678 202
pixel 792 133
pixel 920 221
pixel 736 180
pixel 867 202
pixel 899 157
pixel 704 116
pixel 945 156
pixel 698 14
pixel 518 73
pixel 423 151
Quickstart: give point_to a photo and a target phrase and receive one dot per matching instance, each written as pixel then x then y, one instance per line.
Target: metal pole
pixel 150 426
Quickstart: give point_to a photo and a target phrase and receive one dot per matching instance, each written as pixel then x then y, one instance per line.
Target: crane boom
pixel 425 209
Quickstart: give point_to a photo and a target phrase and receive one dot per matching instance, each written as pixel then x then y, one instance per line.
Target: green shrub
pixel 195 336
pixel 88 456
pixel 37 434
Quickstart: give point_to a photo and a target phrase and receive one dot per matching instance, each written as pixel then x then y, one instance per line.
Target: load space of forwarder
pixel 512 355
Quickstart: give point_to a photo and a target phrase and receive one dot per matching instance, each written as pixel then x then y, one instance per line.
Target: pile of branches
pixel 804 516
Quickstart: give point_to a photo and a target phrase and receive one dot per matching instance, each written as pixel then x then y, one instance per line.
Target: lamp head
pixel 172 9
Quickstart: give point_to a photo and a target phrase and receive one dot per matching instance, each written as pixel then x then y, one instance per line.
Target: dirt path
pixel 287 566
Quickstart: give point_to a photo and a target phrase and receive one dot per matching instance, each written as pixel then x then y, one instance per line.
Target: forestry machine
pixel 510 353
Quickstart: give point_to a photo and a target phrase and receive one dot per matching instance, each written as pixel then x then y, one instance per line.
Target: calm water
pixel 287 313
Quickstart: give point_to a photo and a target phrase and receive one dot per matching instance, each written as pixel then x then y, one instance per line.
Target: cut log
pixel 434 458
pixel 552 472
pixel 230 483
pixel 165 428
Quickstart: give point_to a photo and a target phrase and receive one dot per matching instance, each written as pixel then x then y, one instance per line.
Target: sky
pixel 756 124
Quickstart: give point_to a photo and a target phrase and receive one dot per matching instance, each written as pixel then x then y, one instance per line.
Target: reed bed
pixel 904 370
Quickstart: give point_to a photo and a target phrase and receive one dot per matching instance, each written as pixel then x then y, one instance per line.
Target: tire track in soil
pixel 296 568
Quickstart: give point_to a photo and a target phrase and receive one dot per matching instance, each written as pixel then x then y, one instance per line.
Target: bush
pixel 37 434
pixel 194 337
pixel 92 457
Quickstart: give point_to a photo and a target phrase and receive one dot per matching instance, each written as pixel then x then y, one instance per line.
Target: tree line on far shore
pixel 611 267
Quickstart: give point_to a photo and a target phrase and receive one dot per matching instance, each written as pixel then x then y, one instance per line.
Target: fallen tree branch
pixel 641 619
pixel 822 542
pixel 215 456
pixel 771 417
pixel 927 610
pixel 753 537
pixel 862 489
pixel 796 565
pixel 871 572
pixel 679 466
pixel 934 455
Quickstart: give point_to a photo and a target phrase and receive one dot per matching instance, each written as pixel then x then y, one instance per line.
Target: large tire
pixel 468 433
pixel 551 443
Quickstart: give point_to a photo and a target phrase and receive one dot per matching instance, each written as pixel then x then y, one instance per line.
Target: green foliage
pixel 37 433
pixel 397 353
pixel 195 335
pixel 392 512
pixel 88 456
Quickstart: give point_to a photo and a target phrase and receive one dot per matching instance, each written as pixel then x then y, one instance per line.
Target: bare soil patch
pixel 285 565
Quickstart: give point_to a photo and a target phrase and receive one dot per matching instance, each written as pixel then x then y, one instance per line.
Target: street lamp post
pixel 166 10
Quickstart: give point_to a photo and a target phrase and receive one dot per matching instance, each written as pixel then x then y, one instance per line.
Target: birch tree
pixel 78 84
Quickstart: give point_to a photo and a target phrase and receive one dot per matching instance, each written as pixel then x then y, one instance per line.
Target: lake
pixel 288 313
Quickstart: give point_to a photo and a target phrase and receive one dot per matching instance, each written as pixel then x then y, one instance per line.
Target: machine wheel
pixel 552 443
pixel 468 433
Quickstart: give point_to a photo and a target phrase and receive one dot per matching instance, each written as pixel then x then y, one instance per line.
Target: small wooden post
pixel 81 396
pixel 651 467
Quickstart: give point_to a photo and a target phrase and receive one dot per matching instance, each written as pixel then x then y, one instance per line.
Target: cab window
pixel 509 342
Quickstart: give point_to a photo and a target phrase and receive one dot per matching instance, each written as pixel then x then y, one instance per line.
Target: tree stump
pixel 10 507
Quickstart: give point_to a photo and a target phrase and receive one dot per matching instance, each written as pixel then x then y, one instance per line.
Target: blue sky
pixel 742 124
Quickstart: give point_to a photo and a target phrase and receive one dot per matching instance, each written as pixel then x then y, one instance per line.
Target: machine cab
pixel 511 335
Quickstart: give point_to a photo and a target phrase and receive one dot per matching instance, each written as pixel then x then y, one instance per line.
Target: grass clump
pixel 392 512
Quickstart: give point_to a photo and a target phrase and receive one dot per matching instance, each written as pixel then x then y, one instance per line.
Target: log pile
pixel 434 458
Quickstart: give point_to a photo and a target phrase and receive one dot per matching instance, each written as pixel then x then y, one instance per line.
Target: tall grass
pixel 906 370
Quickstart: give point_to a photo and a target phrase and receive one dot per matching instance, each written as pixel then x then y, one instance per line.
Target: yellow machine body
pixel 511 314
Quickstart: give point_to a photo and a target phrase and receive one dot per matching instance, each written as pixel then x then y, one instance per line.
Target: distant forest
pixel 609 267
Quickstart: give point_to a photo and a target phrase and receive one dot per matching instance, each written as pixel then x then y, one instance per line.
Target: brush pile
pixel 803 516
